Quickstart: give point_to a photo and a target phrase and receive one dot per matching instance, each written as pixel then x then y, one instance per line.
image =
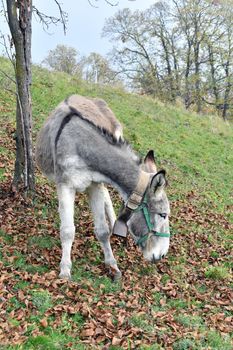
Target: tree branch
pixel 7 76
pixel 46 20
pixel 107 1
pixel 63 16
pixel 10 55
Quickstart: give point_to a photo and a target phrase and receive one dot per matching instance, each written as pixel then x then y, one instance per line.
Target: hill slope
pixel 182 303
pixel 197 151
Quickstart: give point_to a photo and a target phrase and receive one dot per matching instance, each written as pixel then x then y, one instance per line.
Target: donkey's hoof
pixel 114 273
pixel 65 276
pixel 117 276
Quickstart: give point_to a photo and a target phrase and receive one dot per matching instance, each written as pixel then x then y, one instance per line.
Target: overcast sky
pixel 83 29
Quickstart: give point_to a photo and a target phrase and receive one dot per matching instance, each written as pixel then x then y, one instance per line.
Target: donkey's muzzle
pixel 155 260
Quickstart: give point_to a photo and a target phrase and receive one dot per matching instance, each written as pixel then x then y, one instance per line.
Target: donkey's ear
pixel 158 181
pixel 149 162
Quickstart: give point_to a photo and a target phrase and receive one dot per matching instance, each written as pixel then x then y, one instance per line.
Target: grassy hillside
pixel 184 302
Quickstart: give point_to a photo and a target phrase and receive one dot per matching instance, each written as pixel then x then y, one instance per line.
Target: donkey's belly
pixel 82 179
pixel 76 174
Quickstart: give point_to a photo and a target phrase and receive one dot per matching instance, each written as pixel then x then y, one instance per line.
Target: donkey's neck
pixel 135 189
pixel 122 173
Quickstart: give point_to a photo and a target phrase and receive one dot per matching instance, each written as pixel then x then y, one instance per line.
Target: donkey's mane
pixel 104 132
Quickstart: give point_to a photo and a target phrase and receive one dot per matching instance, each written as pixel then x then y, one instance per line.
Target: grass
pixel 142 322
pixel 190 321
pixel 183 291
pixel 43 241
pixel 217 273
pixel 41 300
pixel 212 341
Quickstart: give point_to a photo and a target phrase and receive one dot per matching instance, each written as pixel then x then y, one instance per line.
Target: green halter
pixel 144 207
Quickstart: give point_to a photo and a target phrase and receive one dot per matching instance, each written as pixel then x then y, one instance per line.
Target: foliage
pixel 96 69
pixel 93 68
pixel 62 59
pixel 177 49
pixel 175 304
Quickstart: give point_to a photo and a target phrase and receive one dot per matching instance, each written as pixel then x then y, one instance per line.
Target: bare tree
pixel 63 59
pixel 227 62
pixel 219 44
pixel 133 55
pixel 177 48
pixel 96 69
pixel 19 19
pixel 159 25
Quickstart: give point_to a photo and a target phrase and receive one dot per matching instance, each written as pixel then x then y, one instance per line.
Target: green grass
pixel 41 300
pixel 213 341
pixel 7 238
pixel 141 322
pixel 151 347
pixel 217 273
pixel 190 321
pixel 42 241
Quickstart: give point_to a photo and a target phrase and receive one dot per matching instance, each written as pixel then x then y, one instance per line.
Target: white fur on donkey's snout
pixel 159 250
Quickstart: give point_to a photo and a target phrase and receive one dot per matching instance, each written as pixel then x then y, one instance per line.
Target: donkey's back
pixel 94 110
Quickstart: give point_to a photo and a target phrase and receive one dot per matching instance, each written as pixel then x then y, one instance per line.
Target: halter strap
pixel 136 197
pixel 133 202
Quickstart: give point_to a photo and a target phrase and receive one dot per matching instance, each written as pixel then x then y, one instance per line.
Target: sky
pixel 84 27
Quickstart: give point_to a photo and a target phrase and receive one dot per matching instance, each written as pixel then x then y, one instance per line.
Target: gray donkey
pixel 81 147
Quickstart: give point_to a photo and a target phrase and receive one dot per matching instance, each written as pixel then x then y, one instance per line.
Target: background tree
pixel 226 59
pixel 63 59
pixel 159 27
pixel 19 19
pixel 18 14
pixel 177 48
pixel 133 56
pixel 96 69
pixel 146 53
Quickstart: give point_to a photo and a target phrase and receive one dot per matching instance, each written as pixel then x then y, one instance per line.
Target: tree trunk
pixel 175 66
pixel 19 20
pixel 197 72
pixel 172 96
pixel 227 91
pixel 213 85
pixel 187 94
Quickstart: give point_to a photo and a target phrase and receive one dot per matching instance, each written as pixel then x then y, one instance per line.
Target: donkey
pixel 81 148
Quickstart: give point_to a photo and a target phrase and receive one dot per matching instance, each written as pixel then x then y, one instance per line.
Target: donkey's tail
pixel 45 144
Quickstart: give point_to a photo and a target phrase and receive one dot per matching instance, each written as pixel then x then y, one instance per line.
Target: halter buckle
pixel 134 200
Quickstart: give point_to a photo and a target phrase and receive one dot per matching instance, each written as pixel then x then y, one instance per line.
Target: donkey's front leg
pixel 66 196
pixel 97 197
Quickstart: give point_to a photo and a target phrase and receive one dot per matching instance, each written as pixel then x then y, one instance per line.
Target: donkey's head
pixel 148 223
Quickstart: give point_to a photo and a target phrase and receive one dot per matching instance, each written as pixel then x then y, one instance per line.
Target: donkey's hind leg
pixel 66 196
pixel 98 201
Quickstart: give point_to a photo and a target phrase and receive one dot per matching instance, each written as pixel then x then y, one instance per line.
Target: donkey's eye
pixel 163 215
